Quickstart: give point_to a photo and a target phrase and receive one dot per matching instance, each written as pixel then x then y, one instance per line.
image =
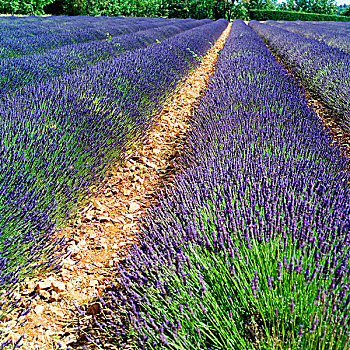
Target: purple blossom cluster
pixel 28 26
pixel 59 138
pixel 251 250
pixel 80 30
pixel 334 35
pixel 21 71
pixel 324 70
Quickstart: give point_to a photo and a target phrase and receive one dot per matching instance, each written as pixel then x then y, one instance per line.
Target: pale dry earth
pixel 109 223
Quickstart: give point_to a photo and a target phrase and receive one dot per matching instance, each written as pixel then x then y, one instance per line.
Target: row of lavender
pixel 324 70
pixel 17 47
pixel 21 71
pixel 58 140
pixel 20 27
pixel 338 37
pixel 251 251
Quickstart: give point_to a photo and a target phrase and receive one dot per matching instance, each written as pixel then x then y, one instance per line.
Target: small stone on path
pixel 133 207
pixel 39 309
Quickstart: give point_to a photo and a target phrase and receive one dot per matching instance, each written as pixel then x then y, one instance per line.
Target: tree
pixel 344 10
pixel 313 6
pixel 327 7
pixel 24 7
pixel 238 10
pixel 177 9
pixel 289 5
pixel 197 9
pixel 261 4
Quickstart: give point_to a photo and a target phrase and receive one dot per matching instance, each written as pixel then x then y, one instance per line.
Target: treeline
pixel 284 15
pixel 198 9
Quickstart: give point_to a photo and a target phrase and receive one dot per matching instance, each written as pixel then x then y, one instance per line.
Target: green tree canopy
pixel 197 9
pixel 26 7
pixel 327 7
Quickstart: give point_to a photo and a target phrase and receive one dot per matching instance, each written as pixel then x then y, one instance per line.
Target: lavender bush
pixel 58 139
pixel 251 250
pixel 326 32
pixel 83 30
pixel 18 72
pixel 14 27
pixel 324 70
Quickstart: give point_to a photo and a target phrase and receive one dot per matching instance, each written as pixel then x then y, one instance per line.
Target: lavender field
pixel 250 247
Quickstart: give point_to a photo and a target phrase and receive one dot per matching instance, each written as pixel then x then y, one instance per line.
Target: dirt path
pixel 109 223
